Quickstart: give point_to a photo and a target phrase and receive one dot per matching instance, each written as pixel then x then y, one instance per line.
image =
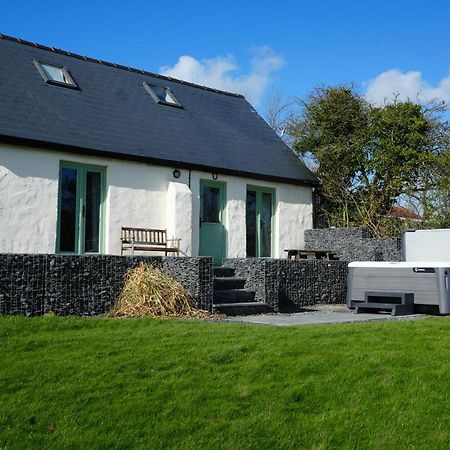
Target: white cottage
pixel 87 146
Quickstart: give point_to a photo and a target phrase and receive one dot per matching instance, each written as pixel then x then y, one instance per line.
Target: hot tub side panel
pixel 429 288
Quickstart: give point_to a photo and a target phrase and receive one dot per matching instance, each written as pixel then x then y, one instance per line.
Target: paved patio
pixel 320 314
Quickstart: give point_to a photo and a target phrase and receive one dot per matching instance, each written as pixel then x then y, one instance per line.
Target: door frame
pixel 259 191
pixel 82 169
pixel 223 203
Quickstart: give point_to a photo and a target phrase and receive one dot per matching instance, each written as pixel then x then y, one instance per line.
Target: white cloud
pixel 407 85
pixel 222 72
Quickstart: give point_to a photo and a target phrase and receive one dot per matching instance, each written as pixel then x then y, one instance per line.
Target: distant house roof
pixel 403 213
pixel 101 108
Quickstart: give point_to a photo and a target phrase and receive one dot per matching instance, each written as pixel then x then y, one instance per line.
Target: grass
pixel 152 383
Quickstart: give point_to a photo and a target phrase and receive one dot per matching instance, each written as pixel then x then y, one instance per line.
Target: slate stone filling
pixel 287 284
pixel 354 244
pixel 36 284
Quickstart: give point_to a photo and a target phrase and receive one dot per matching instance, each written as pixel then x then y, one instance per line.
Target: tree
pixel 369 157
pixel 432 190
pixel 278 109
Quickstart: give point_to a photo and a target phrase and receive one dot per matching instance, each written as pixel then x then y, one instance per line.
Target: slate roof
pixel 113 115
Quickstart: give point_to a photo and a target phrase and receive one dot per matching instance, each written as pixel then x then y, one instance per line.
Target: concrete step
pixel 224 272
pixel 221 283
pixel 396 309
pixel 242 309
pixel 233 296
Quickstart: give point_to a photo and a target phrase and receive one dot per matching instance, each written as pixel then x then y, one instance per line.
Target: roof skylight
pixel 55 75
pixel 162 95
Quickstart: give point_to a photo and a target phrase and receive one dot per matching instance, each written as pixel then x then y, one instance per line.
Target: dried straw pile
pixel 150 292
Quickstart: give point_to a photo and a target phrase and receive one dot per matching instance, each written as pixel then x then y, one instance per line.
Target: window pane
pixel 92 213
pixel 211 204
pixel 168 97
pixel 54 73
pixel 250 223
pixel 266 224
pixel 163 94
pixel 68 211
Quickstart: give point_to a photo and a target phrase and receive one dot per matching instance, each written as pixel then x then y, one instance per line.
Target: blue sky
pixel 257 47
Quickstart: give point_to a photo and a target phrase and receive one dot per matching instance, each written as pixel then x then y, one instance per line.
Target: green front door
pixel 81 208
pixel 212 219
pixel 260 206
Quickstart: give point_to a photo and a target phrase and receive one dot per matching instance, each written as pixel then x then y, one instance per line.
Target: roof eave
pixel 14 140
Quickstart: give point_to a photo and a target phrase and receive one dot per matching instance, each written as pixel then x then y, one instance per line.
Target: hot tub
pixel 428 281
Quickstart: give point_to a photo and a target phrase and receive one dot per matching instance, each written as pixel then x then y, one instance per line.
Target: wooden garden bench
pixel 147 240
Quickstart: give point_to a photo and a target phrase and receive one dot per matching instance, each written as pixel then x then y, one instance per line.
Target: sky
pixel 258 48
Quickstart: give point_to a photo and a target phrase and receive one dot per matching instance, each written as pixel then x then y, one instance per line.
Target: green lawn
pixel 147 383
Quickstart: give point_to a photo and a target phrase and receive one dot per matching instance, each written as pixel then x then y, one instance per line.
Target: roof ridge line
pixel 117 66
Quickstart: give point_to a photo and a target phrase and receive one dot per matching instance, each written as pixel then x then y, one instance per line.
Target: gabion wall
pixel 354 244
pixel 284 284
pixel 88 285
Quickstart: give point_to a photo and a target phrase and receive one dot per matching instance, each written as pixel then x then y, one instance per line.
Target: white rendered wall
pixel 179 216
pixel 28 199
pixel 294 216
pixel 138 195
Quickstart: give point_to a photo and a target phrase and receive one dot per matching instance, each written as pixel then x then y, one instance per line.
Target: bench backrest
pixel 144 236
